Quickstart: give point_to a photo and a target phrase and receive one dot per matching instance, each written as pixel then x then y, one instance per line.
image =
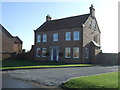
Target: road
pixel 9 82
pixel 53 77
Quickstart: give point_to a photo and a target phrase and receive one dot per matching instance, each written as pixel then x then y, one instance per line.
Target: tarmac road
pixel 52 76
pixel 9 82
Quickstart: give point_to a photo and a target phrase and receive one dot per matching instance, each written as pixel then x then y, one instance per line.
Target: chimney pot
pixel 48 17
pixel 92 11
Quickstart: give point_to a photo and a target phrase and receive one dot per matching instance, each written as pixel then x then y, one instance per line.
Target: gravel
pixel 57 76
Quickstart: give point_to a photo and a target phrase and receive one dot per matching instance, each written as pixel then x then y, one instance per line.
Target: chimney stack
pixel 48 18
pixel 92 11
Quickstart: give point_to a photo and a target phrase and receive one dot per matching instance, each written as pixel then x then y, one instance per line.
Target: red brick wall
pixel 7 43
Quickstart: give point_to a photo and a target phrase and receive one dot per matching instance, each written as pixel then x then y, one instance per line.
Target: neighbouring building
pixel 17 44
pixel 9 44
pixel 73 39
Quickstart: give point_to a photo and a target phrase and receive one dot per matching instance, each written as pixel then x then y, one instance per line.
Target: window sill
pixel 76 57
pixel 67 57
pixel 77 40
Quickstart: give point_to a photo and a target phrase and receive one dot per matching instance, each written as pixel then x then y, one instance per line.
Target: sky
pixel 22 18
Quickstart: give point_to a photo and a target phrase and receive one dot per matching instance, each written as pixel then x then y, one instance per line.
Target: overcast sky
pixel 21 18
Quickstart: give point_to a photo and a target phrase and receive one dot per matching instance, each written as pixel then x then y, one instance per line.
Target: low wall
pixel 26 56
pixel 4 56
pixel 107 59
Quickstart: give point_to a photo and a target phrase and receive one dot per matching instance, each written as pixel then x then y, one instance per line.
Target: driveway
pixel 57 76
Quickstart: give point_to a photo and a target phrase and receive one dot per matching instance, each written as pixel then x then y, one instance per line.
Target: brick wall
pixel 25 56
pixel 7 43
pixel 107 58
pixel 61 44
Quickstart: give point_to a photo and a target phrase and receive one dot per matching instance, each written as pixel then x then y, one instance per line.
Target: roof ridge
pixel 70 17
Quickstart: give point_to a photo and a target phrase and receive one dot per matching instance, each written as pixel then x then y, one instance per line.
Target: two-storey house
pixel 73 39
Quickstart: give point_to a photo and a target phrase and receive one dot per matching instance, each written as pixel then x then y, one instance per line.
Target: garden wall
pixel 26 56
pixel 107 58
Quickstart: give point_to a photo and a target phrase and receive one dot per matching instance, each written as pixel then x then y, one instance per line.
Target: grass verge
pixel 16 64
pixel 107 80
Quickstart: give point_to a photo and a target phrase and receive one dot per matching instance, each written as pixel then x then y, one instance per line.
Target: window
pixel 38 52
pixel 76 35
pixel 55 37
pixel 44 38
pixel 67 52
pixel 90 24
pixel 95 26
pixel 76 52
pixel 44 51
pixel 86 53
pixel 38 38
pixel 68 36
pixel 95 38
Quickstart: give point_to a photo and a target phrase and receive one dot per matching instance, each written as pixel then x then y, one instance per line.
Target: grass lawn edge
pixel 47 66
pixel 74 81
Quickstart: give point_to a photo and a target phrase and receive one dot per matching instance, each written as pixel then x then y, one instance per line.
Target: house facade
pixel 73 39
pixel 8 44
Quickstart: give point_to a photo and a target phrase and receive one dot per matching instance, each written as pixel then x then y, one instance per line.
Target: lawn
pixel 14 64
pixel 107 80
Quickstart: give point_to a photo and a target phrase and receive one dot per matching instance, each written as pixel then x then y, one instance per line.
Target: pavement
pixel 54 77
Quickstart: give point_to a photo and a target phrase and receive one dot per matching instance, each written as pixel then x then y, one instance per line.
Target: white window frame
pixel 70 52
pixel 55 37
pixel 42 52
pixel 38 38
pixel 75 36
pixel 86 53
pixel 45 38
pixel 37 52
pixel 95 38
pixel 78 52
pixel 68 36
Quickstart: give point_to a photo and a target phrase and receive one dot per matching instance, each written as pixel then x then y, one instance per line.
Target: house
pixel 17 44
pixel 9 44
pixel 73 39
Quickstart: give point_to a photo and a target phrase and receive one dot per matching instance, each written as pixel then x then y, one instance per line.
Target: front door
pixel 54 54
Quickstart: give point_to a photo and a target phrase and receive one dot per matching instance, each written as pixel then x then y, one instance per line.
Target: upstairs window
pixel 95 38
pixel 68 36
pixel 86 53
pixel 95 27
pixel 38 38
pixel 38 52
pixel 44 51
pixel 44 38
pixel 76 35
pixel 55 37
pixel 75 52
pixel 67 52
pixel 90 24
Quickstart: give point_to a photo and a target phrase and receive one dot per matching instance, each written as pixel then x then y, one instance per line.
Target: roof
pixel 69 22
pixel 96 44
pixel 17 39
pixel 5 31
